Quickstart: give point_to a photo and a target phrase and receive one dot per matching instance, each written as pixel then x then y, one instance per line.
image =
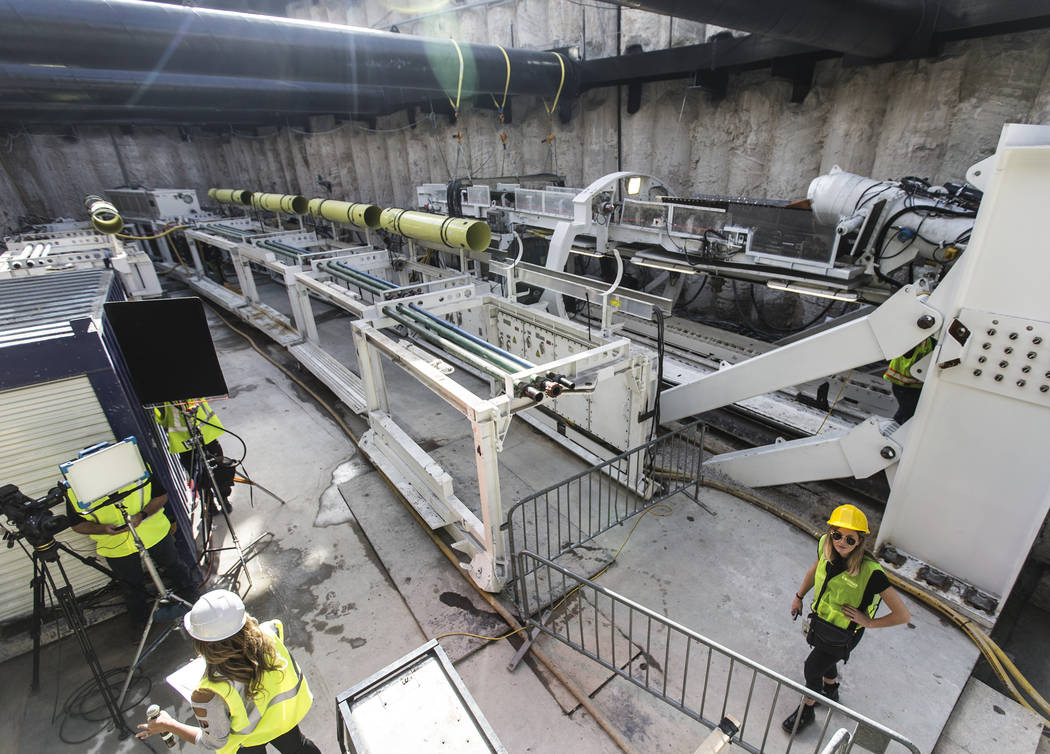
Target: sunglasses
pixel 850 539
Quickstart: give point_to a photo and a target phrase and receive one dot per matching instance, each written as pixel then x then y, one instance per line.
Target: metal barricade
pixel 693 674
pixel 555 521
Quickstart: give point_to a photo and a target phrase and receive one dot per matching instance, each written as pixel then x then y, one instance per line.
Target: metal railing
pixel 555 521
pixel 693 674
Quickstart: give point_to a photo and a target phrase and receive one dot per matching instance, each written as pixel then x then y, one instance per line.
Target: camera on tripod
pixel 33 518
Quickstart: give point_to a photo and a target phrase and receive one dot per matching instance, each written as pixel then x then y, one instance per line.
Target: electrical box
pixel 155 205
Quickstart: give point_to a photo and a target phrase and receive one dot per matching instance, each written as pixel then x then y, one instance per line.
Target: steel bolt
pixel 888 453
pixel 1008 349
pixel 1026 369
pixel 1037 340
pixel 986 346
pixel 991 331
pixel 926 321
pixel 982 359
pixel 1004 364
pixel 1020 383
pixel 976 372
pixel 998 378
pixel 1031 354
pixel 1013 336
pixel 1044 388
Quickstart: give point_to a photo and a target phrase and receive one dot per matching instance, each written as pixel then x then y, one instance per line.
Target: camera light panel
pixel 97 473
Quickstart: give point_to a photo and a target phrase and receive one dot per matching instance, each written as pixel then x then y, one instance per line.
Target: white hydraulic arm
pixel 900 323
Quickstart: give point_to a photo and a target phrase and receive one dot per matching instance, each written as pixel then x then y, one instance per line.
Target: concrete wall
pixel 930 117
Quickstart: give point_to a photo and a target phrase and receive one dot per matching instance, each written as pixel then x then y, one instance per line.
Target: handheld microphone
pixel 152 713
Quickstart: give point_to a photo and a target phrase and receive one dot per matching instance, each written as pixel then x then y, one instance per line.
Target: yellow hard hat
pixel 849 517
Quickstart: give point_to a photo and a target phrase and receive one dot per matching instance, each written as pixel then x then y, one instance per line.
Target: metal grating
pixel 40 308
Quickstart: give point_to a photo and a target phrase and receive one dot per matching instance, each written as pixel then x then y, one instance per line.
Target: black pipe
pixel 144 36
pixel 26 86
pixel 865 28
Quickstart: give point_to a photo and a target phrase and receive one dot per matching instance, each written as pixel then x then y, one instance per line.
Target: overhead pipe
pixel 146 36
pixel 24 85
pixel 865 28
pixel 453 232
pixel 104 216
pixel 292 204
pixel 350 213
pixel 230 196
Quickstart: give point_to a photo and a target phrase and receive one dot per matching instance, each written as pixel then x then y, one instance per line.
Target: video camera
pixel 33 518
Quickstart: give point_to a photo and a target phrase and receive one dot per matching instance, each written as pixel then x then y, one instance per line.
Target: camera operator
pixel 115 543
pixel 172 421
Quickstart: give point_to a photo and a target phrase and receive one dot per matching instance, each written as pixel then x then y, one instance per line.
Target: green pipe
pixel 351 213
pixel 452 348
pixel 231 196
pixel 453 232
pixel 368 286
pixel 291 204
pixel 365 281
pixel 361 273
pixel 450 335
pixel 104 216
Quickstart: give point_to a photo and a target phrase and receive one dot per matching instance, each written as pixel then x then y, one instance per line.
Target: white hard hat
pixel 217 615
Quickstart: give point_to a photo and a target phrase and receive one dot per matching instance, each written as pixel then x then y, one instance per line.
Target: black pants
pixel 292 742
pixel 132 577
pixel 821 664
pixel 907 401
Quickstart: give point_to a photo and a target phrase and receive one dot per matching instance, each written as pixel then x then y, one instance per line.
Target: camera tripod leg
pixel 38 619
pixel 75 618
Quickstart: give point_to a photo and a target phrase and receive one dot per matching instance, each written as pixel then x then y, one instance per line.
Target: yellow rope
pixel 506 86
pixel 835 402
pixel 150 238
pixel 561 83
pixel 459 86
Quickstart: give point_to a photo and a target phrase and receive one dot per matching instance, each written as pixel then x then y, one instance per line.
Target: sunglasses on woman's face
pixel 850 539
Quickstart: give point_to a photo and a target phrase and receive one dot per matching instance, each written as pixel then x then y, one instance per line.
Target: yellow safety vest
pixel 282 701
pixel 842 589
pixel 899 370
pixel 151 531
pixel 174 423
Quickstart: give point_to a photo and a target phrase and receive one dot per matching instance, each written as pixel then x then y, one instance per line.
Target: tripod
pixel 42 582
pixel 199 462
pixel 164 595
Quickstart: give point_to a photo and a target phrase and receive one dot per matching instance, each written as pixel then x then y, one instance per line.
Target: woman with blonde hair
pixel 252 692
pixel 850 585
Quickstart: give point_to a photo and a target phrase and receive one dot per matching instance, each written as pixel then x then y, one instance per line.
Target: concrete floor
pixel 359 584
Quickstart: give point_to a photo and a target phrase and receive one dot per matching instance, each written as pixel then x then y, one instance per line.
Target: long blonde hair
pixel 855 558
pixel 243 657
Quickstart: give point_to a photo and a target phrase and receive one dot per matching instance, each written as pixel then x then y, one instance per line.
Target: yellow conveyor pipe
pixel 104 216
pixel 292 204
pixel 231 196
pixel 351 213
pixel 453 232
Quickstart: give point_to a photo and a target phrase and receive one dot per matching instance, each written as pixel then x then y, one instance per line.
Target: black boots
pixel 831 691
pixel 808 716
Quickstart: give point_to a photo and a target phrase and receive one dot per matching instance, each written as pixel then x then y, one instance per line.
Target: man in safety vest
pixel 906 389
pixel 172 420
pixel 251 692
pixel 106 525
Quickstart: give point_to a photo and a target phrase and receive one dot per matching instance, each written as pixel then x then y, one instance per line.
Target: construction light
pixel 805 290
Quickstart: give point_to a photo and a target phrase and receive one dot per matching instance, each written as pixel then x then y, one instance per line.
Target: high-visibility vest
pixel 842 589
pixel 174 424
pixel 151 531
pixel 899 370
pixel 281 703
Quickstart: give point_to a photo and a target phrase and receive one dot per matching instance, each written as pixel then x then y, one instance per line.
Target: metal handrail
pixel 561 624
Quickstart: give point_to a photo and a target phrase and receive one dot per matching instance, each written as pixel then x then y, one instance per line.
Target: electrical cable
pixel 151 238
pixel 835 402
pixel 692 298
pixel 765 323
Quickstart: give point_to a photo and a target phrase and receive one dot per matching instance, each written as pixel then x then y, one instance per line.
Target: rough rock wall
pixel 930 117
